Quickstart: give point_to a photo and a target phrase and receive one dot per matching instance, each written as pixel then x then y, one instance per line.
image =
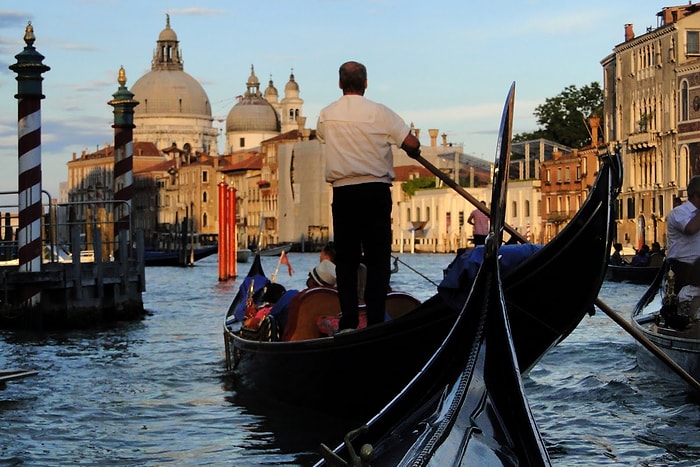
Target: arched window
pixel 204 197
pixel 684 101
pixel 204 219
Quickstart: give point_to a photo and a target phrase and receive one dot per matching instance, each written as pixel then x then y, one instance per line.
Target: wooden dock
pixel 76 294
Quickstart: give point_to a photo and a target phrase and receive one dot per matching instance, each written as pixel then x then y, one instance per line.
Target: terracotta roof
pixel 291 135
pixel 251 163
pixel 141 149
pixel 160 167
pixel 403 172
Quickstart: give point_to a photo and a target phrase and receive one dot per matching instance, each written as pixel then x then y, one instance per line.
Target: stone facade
pixel 650 89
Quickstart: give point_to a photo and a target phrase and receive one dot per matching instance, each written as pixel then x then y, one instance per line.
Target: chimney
pixel 433 137
pixel 595 124
pixel 416 133
pixel 629 32
pixel 444 139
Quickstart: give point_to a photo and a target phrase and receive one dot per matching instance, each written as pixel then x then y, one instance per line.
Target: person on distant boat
pixel 656 255
pixel 480 221
pixel 356 138
pixel 684 234
pixel 642 256
pixel 616 258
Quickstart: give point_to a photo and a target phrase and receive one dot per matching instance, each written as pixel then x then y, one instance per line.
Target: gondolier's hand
pixel 411 145
pixel 412 152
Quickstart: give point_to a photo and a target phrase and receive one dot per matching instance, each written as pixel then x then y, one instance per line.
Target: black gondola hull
pixel 546 298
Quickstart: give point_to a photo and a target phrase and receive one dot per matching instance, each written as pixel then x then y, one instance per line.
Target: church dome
pixel 171 92
pixel 253 112
pixel 271 91
pixel 167 89
pixel 167 34
pixel 291 84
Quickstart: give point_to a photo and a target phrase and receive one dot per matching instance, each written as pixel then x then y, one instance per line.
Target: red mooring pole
pixel 232 263
pixel 29 68
pixel 223 232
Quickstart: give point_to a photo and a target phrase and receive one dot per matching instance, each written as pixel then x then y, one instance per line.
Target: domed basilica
pixel 175 110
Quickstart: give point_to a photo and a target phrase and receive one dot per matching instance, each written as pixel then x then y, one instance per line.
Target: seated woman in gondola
pixel 616 258
pixel 642 256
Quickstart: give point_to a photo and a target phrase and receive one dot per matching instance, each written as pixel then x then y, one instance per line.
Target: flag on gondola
pixel 284 259
pixel 249 293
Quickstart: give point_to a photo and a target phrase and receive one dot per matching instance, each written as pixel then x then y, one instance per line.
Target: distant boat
pixel 633 274
pixel 173 252
pixel 11 375
pixel 658 316
pixel 243 255
pixel 176 257
pixel 276 250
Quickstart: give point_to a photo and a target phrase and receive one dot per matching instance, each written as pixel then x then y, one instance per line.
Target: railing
pixel 78 227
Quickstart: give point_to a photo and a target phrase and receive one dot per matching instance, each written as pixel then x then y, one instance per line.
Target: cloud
pixel 196 12
pixel 559 23
pixel 9 19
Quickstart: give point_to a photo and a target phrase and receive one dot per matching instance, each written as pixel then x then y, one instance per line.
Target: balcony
pixel 558 217
pixel 641 141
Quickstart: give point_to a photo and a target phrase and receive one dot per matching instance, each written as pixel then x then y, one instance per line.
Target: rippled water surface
pixel 155 392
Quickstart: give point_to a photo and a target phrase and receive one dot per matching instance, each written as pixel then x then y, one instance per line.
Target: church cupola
pixel 167 54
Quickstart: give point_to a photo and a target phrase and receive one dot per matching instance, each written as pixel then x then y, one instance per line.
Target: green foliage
pixel 564 117
pixel 411 186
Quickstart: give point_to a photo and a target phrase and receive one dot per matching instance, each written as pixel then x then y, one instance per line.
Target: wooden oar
pixel 653 348
pixel 649 345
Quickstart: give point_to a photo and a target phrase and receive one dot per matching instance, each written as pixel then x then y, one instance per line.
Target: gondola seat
pixel 311 306
pixel 304 308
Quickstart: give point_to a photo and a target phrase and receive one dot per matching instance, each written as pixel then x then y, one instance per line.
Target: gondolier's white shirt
pixel 358 134
pixel 682 247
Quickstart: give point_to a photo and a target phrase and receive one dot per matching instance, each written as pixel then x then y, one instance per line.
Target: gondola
pixel 657 318
pixel 633 274
pixel 178 257
pixel 545 300
pixel 467 405
pixel 13 375
pixel 276 250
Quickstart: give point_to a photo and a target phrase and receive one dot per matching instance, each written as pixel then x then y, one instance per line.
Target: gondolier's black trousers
pixel 362 231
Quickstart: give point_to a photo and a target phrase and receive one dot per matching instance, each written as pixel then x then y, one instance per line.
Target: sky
pixel 443 64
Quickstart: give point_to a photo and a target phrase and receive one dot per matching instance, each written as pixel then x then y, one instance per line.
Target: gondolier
pixel 684 234
pixel 357 135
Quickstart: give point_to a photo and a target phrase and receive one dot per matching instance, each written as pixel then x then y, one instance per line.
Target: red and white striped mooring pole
pixel 29 68
pixel 123 104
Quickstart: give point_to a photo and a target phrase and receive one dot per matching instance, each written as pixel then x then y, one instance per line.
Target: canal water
pixel 155 392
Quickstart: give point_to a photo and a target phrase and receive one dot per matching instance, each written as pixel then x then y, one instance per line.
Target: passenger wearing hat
pixel 323 275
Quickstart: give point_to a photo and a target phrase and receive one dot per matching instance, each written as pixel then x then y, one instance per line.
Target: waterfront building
pixel 257 117
pixel 243 173
pixel 91 183
pixel 566 180
pixel 252 119
pixel 652 111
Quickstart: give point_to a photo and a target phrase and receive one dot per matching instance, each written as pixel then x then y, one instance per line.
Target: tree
pixel 411 186
pixel 564 117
